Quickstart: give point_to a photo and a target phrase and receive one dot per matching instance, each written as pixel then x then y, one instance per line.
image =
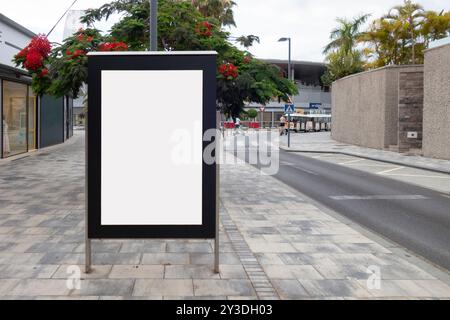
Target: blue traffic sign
pixel 289 109
pixel 313 105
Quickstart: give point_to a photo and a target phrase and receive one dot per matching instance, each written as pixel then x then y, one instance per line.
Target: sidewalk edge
pixel 354 154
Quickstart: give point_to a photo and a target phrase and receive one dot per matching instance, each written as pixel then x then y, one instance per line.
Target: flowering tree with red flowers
pixel 182 27
pixel 228 71
pixel 63 70
pixel 204 29
pixel 34 58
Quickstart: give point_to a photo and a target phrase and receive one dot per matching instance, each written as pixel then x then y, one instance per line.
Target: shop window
pixel 14 118
pixel 32 111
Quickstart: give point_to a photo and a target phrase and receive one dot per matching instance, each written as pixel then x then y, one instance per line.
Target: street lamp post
pixel 153 25
pixel 290 79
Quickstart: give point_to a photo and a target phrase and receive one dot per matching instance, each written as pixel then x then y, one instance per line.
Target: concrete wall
pixel 365 107
pixel 436 126
pixel 410 111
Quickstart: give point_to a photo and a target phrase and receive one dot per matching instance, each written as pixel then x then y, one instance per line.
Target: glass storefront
pixel 19 118
pixel 32 111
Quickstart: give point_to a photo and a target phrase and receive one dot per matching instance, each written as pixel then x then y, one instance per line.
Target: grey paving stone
pixel 40 287
pixel 335 288
pixel 165 258
pixel 208 258
pixel 165 288
pixel 291 272
pixel 46 247
pixel 116 258
pixel 137 272
pixel 289 289
pixel 342 272
pixel 223 287
pixel 62 258
pixel 190 272
pixel 104 287
pixel 101 247
pixel 21 258
pixel 143 247
pixel 6 285
pixel 232 272
pixel 202 247
pixel 111 298
pixel 15 271
pixel 98 272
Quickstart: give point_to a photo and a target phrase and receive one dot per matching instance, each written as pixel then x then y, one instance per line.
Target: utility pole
pixel 290 79
pixel 153 25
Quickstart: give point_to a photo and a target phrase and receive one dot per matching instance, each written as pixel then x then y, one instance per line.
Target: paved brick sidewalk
pixel 322 142
pixel 274 245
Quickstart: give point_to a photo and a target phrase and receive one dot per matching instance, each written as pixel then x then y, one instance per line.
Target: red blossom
pixel 113 46
pixel 23 53
pixel 228 70
pixel 80 37
pixel 247 59
pixel 44 72
pixel 78 53
pixel 204 29
pixel 90 39
pixel 32 57
pixel 41 44
pixel 68 52
pixel 34 60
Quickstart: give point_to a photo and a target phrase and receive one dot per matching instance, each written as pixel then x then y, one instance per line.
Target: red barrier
pixel 254 125
pixel 228 125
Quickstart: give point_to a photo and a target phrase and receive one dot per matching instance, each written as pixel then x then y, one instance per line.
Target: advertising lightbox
pixel 147 115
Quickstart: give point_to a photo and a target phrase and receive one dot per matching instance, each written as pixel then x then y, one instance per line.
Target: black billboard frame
pixel 158 61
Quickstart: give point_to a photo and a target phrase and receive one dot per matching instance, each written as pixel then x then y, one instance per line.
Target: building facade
pixel 313 97
pixel 28 122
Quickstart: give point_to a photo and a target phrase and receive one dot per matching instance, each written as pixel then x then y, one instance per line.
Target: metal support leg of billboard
pixel 88 251
pixel 217 238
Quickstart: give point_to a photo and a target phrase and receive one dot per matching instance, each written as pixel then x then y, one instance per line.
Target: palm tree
pixel 435 26
pixel 411 16
pixel 219 9
pixel 346 35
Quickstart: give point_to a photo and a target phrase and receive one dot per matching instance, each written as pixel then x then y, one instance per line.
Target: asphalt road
pixel 414 217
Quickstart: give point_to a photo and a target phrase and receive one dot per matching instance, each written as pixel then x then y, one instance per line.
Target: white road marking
pixel 352 161
pixel 285 163
pixel 379 197
pixel 391 170
pixel 368 165
pixel 418 176
pixel 290 164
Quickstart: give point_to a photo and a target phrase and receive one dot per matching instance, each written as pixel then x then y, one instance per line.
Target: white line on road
pixel 290 164
pixel 391 170
pixel 352 161
pixel 418 176
pixel 379 197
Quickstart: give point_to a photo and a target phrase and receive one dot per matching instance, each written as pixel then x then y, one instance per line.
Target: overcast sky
pixel 307 22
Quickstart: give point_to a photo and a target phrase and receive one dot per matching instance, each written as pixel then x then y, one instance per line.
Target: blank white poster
pixel 152 147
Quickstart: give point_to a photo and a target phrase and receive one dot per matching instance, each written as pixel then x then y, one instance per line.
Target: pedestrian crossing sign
pixel 289 109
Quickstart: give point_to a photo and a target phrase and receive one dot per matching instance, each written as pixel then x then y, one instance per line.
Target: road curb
pixel 368 158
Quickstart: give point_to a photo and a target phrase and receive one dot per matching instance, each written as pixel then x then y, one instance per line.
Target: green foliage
pixel 252 114
pixel 341 65
pixel 346 35
pixel 343 57
pixel 68 63
pixel 178 29
pixel 247 41
pixel 401 36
